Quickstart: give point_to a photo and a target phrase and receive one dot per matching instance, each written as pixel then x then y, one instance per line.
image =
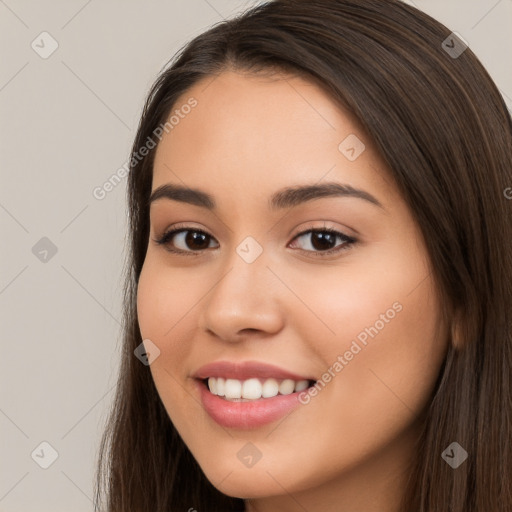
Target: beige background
pixel 67 124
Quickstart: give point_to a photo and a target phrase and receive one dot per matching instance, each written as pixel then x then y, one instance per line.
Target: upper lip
pixel 245 370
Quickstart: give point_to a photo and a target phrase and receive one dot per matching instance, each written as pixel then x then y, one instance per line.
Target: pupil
pixel 194 237
pixel 323 240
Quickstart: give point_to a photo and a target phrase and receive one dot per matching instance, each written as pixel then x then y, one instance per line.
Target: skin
pixel 247 137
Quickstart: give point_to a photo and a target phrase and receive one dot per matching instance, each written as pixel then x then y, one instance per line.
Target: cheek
pixel 165 311
pixel 383 320
pixel 165 296
pixel 344 302
pixel 166 302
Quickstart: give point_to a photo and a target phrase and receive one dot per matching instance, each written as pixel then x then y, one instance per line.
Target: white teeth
pixel 221 386
pixel 251 389
pixel 212 385
pixel 254 389
pixel 301 385
pixel 233 388
pixel 270 388
pixel 286 387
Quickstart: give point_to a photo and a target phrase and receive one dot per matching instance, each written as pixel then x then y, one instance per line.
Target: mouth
pixel 237 412
pixel 252 389
pixel 249 394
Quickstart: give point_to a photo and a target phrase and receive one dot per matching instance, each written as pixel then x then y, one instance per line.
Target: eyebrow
pixel 288 197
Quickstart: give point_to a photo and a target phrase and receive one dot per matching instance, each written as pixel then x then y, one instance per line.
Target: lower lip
pixel 247 415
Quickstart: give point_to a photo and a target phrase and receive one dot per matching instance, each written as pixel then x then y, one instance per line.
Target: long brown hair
pixel 443 129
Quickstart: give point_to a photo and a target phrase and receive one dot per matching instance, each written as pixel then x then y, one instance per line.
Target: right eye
pixel 196 239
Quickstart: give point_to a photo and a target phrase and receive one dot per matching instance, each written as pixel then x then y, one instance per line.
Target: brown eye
pixel 186 240
pixel 324 240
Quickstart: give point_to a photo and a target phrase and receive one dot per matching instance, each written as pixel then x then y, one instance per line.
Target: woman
pixel 319 288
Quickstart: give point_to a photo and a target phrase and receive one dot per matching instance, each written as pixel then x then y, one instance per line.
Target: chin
pixel 259 481
pixel 245 485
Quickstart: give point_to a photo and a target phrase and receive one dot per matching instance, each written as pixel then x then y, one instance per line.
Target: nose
pixel 244 301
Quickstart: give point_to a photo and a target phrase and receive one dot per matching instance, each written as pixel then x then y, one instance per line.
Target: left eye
pixel 193 241
pixel 324 240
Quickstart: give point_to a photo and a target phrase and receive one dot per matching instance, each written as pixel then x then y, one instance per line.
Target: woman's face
pixel 252 285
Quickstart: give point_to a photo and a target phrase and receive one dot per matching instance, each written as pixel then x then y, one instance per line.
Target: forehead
pixel 252 134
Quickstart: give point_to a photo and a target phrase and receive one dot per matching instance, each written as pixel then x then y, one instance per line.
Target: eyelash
pixel 348 241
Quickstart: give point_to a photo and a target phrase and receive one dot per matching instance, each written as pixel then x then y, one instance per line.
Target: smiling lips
pixel 249 394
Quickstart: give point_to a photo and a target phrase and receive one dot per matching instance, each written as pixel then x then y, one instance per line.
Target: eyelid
pixel 326 226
